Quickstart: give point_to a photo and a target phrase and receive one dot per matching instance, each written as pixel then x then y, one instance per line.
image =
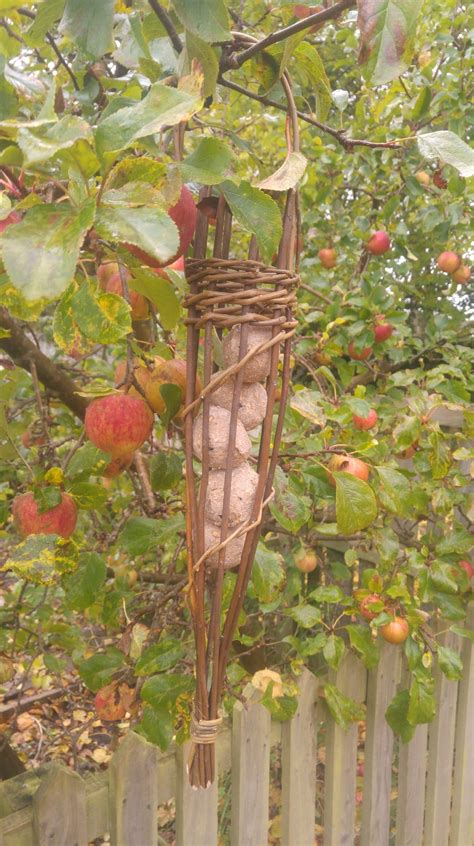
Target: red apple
pixel 327 257
pixel 348 464
pixel 184 215
pixel 60 520
pixel 382 330
pixel 106 270
pixel 378 243
pixel 118 424
pixel 367 604
pixel 364 423
pixel 116 466
pixel 467 567
pixel 462 275
pixel 396 631
pixel 448 262
pixel 364 353
pixel 306 560
pixel 13 217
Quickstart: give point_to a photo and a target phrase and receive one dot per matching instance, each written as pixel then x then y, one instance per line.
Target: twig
pixel 167 23
pixel 334 11
pixel 338 134
pixel 31 15
pixel 315 293
pixel 144 480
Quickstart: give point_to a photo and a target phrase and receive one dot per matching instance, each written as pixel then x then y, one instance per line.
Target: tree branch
pixel 31 15
pixel 330 13
pixel 25 354
pixel 339 135
pixel 165 19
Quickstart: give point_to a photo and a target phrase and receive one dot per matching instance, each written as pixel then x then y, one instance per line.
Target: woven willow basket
pixel 231 295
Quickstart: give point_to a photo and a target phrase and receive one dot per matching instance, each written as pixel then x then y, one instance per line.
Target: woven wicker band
pixel 204 731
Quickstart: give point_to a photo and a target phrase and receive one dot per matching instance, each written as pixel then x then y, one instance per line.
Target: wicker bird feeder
pixel 247 306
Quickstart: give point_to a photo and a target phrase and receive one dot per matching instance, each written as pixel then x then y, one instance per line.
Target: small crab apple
pixel 138 304
pixel 177 265
pixel 382 329
pixel 448 261
pixel 423 178
pixel 396 631
pixel 378 243
pixel 59 520
pixel 462 275
pixel 467 567
pixel 359 355
pixel 365 423
pixel 369 606
pixel 327 257
pixel 306 560
pixel 118 424
pixel 347 464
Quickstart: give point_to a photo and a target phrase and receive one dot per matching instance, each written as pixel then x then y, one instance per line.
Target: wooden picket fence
pixel 419 794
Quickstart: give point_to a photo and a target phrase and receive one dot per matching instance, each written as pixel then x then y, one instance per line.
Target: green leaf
pixel 442 577
pixel 209 162
pixel 387 32
pixel 160 657
pixel 83 586
pixel 39 145
pixel 407 432
pixel 356 507
pixel 100 669
pixel 343 709
pixel 289 508
pixel 363 642
pixel 327 593
pixel 451 607
pixel 143 533
pixel 208 59
pixel 305 616
pixel 394 490
pixel 281 708
pixel 103 318
pixel 161 293
pixel 308 404
pixel 87 495
pixel 268 574
pixel 309 68
pixel 162 107
pixel 448 147
pixel 85 460
pixel 47 497
pixel 334 650
pixel 163 691
pixel 41 559
pixel 287 175
pixel 257 213
pixel 49 11
pixel 422 705
pixel 157 726
pixel 89 24
pixel 397 716
pixel 150 229
pixel 450 663
pixel 166 471
pixel 41 252
pixel 207 19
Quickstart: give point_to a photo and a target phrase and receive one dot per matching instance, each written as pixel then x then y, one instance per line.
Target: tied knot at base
pixel 204 732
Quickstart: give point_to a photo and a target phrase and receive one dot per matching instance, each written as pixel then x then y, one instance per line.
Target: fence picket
pixel 382 685
pixel 412 760
pixel 133 792
pixel 251 727
pixel 59 809
pixel 462 823
pixel 196 810
pixel 298 764
pixel 440 759
pixel 341 759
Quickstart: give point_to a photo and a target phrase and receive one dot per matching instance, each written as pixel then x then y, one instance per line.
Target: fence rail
pixel 419 794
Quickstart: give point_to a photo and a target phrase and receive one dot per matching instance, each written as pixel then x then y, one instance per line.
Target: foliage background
pixel 89 100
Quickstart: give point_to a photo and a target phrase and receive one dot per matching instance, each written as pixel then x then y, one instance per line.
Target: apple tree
pixel 113 116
